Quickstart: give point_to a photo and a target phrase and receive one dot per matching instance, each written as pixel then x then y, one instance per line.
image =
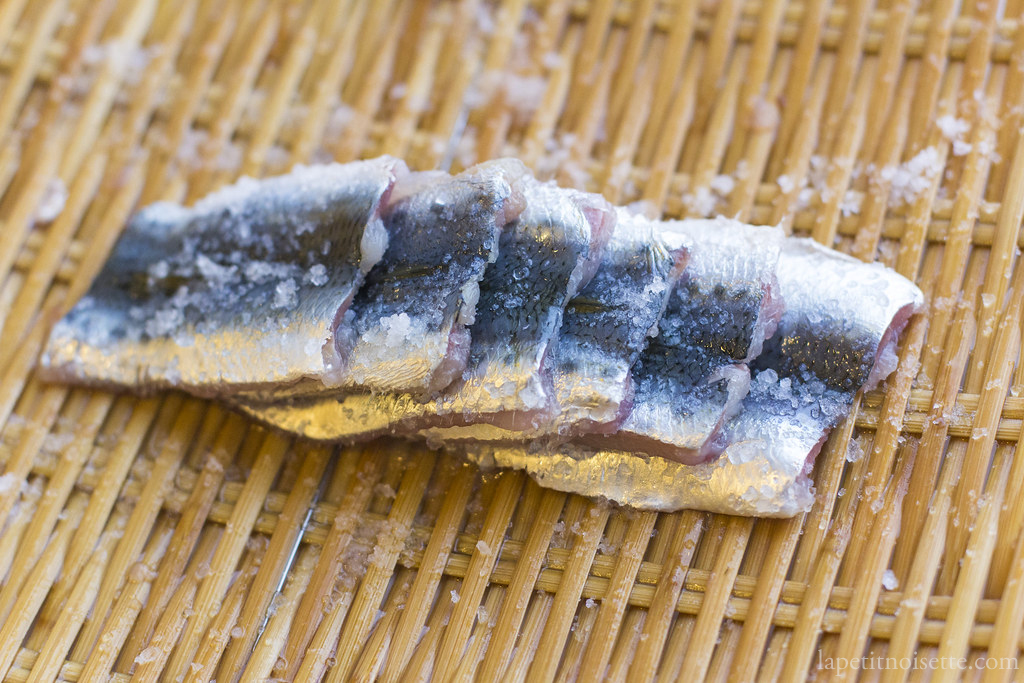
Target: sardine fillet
pixel 546 255
pixel 609 324
pixel 410 322
pixel 241 291
pixel 789 411
pixel 692 376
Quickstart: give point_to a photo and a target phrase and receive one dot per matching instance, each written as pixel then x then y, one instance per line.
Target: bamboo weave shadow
pixel 164 537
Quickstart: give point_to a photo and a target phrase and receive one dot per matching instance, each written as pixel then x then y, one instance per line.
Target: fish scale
pixel 239 291
pixel 784 419
pixel 692 375
pixel 240 295
pixel 608 325
pixel 409 329
pixel 544 257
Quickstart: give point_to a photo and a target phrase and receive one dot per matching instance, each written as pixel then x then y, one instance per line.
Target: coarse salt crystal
pixel 723 185
pixel 54 197
pixel 285 294
pixel 7 483
pixel 317 275
pixel 909 180
pixel 952 128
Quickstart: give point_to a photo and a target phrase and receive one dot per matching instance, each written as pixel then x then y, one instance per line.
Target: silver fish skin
pixel 239 292
pixel 838 336
pixel 608 325
pixel 843 317
pixel 728 299
pixel 692 376
pixel 785 418
pixel 546 255
pixel 409 323
pixel 757 487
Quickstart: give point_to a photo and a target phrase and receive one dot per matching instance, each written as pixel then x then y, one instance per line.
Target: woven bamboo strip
pixel 214 585
pixel 381 563
pixel 1010 520
pixel 59 489
pixel 47 569
pixel 185 536
pixel 264 656
pixel 101 505
pixel 127 608
pixel 601 568
pixel 855 84
pixel 221 626
pixel 424 589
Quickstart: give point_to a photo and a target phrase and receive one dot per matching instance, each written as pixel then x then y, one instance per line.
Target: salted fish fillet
pixel 692 376
pixel 791 406
pixel 410 321
pixel 604 330
pixel 609 324
pixel 545 256
pixel 552 251
pixel 241 291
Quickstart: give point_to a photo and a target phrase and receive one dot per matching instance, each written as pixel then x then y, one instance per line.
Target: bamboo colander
pixel 163 537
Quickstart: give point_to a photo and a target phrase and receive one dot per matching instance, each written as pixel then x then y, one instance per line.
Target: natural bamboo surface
pixel 165 537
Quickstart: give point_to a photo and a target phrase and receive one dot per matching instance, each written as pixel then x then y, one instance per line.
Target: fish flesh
pixel 409 323
pixel 800 390
pixel 660 364
pixel 241 291
pixel 693 374
pixel 586 368
pixel 545 256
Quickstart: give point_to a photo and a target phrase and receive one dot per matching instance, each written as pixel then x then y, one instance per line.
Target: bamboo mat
pixel 164 537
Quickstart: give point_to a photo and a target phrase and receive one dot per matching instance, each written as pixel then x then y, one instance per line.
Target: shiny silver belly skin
pixel 764 470
pixel 608 325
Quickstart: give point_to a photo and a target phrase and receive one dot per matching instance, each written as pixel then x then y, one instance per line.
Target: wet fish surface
pixel 609 324
pixel 504 317
pixel 546 255
pixel 410 322
pixel 692 376
pixel 790 408
pixel 241 291
pixel 838 336
pixel 552 251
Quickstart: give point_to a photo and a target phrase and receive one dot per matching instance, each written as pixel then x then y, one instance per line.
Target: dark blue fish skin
pixel 837 337
pixel 238 292
pixel 692 375
pixel 608 325
pixel 764 469
pixel 545 256
pixel 409 322
pixel 246 296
